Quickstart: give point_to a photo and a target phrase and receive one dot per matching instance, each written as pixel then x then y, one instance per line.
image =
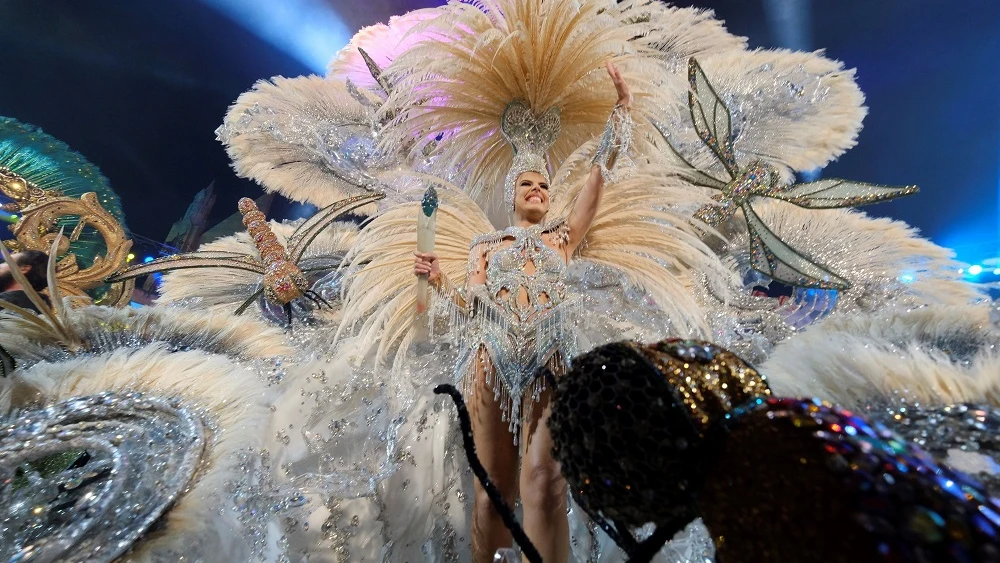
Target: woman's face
pixel 531 196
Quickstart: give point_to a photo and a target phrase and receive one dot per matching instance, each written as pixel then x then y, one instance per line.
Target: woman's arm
pixel 585 208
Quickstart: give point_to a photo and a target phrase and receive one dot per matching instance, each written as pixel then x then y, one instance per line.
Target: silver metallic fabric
pixel 126 459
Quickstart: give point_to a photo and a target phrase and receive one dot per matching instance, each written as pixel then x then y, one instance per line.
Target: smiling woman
pixel 518 275
pixel 604 170
pixel 531 197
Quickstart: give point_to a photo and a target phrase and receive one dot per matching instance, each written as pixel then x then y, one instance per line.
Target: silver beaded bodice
pixel 506 274
pixel 517 336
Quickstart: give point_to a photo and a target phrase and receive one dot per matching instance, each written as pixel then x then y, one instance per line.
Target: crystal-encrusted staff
pixel 425 241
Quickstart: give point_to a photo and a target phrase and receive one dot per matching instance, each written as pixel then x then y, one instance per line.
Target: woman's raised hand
pixel 426 264
pixel 624 94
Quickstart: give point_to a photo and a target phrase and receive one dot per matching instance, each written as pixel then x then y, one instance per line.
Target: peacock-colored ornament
pixel 36 167
pixel 47 189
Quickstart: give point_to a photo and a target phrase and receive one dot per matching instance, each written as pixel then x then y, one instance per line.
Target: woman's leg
pixel 497 452
pixel 543 489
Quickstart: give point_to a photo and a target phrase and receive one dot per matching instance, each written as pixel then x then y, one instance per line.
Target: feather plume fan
pixel 642 229
pixel 307 138
pixel 677 34
pixel 98 329
pixel 380 301
pixel 932 355
pixel 793 110
pixel 449 93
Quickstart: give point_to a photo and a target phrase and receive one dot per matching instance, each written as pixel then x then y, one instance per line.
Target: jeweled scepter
pixel 425 240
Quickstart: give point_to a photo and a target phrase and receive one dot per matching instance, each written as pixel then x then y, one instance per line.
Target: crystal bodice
pixel 506 273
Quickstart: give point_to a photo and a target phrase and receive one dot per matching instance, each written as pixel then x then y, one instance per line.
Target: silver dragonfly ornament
pixel 768 253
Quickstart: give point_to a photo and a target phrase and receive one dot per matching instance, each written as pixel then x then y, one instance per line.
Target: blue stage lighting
pixel 301 211
pixel 148 259
pixel 309 30
pixel 975 270
pixel 907 278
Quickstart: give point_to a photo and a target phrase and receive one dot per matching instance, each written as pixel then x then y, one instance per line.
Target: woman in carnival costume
pixel 515 284
pixel 469 96
pixel 360 461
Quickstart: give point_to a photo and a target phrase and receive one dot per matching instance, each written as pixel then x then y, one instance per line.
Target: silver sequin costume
pixel 513 336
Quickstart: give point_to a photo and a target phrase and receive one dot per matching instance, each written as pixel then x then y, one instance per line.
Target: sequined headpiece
pixel 530 138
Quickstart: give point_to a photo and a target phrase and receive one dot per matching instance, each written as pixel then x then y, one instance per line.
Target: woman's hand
pixel 624 94
pixel 426 264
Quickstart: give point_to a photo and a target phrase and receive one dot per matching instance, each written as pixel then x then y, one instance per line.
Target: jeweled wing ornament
pixel 282 280
pixel 768 253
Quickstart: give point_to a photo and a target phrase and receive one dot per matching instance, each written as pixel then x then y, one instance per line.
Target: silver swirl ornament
pixel 85 478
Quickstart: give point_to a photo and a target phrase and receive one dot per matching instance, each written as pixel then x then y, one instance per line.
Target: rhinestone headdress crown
pixel 531 137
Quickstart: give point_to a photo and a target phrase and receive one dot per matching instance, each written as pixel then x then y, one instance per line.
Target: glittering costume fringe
pixel 513 353
pixel 449 304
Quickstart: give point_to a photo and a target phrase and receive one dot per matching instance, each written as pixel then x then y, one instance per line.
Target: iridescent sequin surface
pixel 800 480
pixel 672 431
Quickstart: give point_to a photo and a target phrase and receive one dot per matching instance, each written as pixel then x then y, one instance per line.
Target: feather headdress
pixel 450 92
pixel 530 137
pixel 379 301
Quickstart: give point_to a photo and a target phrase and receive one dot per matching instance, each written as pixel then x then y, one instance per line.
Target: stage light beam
pixel 309 30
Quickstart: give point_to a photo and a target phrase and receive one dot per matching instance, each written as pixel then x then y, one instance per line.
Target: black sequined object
pixel 801 480
pixel 624 441
pixel 680 429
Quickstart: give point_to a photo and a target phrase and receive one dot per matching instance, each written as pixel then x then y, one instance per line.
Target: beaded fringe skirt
pixel 512 355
